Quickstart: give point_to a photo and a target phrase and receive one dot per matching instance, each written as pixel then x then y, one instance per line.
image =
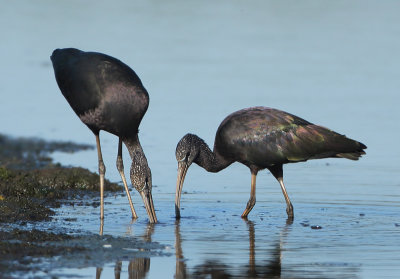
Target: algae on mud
pixel 30 183
pixel 27 195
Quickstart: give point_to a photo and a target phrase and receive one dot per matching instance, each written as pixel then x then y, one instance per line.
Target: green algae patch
pixel 31 184
pixel 47 183
pixel 27 195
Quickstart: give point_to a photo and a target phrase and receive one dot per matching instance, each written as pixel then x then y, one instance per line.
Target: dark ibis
pixel 262 138
pixel 106 94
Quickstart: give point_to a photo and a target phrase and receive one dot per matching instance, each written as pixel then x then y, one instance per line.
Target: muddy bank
pixel 31 184
pixel 29 195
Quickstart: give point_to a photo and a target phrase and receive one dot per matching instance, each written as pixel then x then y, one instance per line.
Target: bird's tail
pixel 353 155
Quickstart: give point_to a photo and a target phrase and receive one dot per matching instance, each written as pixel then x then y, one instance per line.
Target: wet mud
pixel 24 251
pixel 31 187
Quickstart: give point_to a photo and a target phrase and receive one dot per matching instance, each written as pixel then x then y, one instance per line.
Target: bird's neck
pixel 134 148
pixel 211 161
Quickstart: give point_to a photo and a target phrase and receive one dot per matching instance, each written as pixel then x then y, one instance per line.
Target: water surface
pixel 332 63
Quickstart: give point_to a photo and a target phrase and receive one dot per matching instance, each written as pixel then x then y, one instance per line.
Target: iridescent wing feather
pixel 264 136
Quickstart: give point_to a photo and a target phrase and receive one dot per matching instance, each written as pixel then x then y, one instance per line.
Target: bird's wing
pixel 265 136
pixel 300 142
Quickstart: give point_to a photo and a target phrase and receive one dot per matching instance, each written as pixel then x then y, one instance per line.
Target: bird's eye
pixel 185 158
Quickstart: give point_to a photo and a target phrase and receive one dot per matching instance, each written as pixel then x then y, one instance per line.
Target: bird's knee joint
pixel 120 164
pixel 251 202
pixel 102 168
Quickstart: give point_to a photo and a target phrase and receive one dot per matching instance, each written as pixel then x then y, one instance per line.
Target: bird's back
pixel 264 137
pixel 104 92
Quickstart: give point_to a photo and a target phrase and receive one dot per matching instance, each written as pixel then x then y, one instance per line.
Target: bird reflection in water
pixel 266 265
pixel 138 267
pixel 217 269
pixel 274 267
pixel 180 272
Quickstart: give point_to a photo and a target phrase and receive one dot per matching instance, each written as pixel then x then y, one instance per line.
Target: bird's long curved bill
pixel 182 170
pixel 148 203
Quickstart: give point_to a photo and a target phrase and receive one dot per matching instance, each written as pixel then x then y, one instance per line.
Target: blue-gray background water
pixel 334 63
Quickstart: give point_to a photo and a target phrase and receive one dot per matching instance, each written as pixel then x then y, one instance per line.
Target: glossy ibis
pixel 107 95
pixel 262 138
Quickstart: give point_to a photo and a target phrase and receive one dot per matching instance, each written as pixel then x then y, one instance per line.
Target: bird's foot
pixel 249 207
pixel 289 220
pixel 134 218
pixel 177 213
pixel 289 211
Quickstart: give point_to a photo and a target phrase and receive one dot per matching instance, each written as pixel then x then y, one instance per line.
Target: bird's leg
pixel 101 227
pixel 252 200
pixel 102 172
pixel 289 206
pixel 277 171
pixel 120 167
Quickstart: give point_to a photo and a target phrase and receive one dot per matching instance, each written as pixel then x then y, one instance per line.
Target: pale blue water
pixel 332 63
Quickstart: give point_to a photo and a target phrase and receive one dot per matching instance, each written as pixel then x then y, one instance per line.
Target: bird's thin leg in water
pixel 252 200
pixel 120 167
pixel 101 226
pixel 277 171
pixel 102 172
pixel 289 206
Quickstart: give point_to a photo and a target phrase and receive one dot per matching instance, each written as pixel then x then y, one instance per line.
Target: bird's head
pixel 141 180
pixel 187 150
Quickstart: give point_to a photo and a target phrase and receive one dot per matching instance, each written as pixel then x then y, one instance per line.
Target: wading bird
pixel 108 95
pixel 262 138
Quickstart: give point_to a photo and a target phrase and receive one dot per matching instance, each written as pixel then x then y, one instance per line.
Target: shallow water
pixel 332 63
